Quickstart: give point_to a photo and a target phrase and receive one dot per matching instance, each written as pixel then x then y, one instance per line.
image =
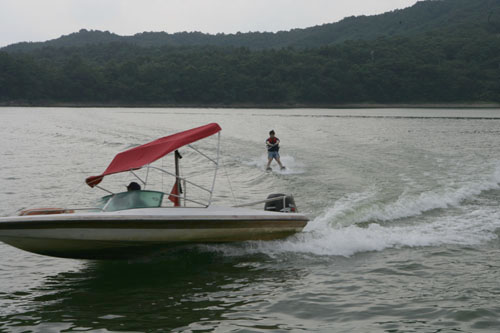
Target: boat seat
pixel 45 211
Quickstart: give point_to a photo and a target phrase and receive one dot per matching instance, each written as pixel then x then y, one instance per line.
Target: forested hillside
pixel 423 17
pixel 441 59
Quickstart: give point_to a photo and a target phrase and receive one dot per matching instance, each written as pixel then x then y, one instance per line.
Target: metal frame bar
pixel 169 194
pixel 185 191
pixel 191 200
pixel 103 189
pixel 216 169
pixel 107 203
pixel 181 178
pixel 147 175
pixel 142 181
pixel 203 154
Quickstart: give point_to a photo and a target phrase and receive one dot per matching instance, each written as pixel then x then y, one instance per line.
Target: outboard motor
pixel 283 203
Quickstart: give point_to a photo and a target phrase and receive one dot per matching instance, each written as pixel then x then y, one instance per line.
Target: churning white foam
pixel 292 166
pixel 337 230
pixel 360 207
pixel 471 229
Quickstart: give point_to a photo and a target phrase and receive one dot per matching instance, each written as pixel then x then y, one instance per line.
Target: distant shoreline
pixel 262 106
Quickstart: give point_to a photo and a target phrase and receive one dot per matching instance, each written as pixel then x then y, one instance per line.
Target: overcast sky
pixel 38 20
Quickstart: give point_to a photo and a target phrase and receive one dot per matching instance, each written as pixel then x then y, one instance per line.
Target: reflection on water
pixel 160 293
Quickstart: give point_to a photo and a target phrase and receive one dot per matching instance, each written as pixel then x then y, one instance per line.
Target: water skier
pixel 273 147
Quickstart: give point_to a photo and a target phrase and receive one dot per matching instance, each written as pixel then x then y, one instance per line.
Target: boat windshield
pixel 131 200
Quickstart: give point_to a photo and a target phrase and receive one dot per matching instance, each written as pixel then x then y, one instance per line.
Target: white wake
pixel 355 224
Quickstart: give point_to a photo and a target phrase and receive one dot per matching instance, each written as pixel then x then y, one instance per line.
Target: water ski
pixel 271 169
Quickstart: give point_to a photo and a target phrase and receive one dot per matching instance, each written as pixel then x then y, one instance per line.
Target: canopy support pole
pixel 140 179
pixel 185 191
pixel 103 189
pixel 177 174
pixel 216 169
pixel 147 174
pixel 202 154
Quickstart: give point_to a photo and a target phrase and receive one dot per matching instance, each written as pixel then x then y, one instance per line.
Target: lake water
pixel 404 231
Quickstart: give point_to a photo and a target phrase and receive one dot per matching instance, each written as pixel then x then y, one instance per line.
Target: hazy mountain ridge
pixel 453 56
pixel 423 17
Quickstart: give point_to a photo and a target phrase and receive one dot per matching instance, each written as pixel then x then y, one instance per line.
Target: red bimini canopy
pixel 140 156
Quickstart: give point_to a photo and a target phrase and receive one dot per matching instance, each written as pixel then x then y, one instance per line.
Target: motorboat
pixel 138 221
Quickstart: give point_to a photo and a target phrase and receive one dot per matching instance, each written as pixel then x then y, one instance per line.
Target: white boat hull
pixel 135 232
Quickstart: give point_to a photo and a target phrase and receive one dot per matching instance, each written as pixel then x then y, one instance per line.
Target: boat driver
pixel 273 147
pixel 127 200
pixel 133 186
